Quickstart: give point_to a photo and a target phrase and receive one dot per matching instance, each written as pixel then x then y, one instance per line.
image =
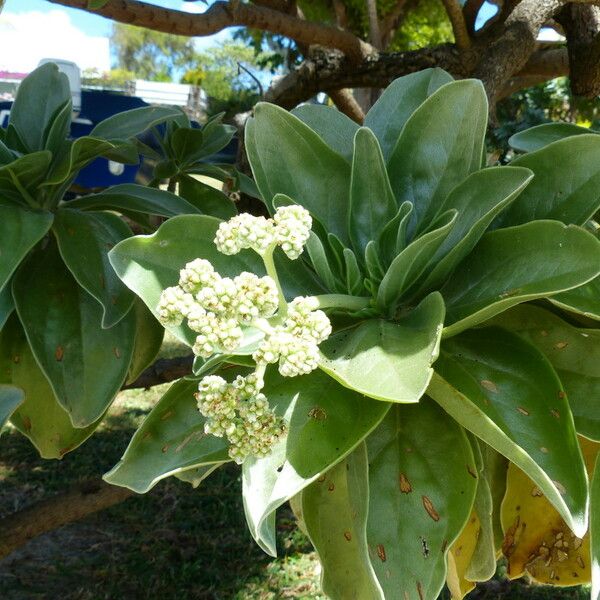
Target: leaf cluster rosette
pixel 464 304
pixel 71 333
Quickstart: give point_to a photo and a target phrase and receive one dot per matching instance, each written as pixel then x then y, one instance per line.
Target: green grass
pixel 173 543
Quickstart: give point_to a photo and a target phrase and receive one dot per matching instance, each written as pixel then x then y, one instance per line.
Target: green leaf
pixel 574 353
pixel 506 392
pixel 40 417
pixel 440 145
pixel 129 123
pixel 148 264
pixel 583 300
pixel 136 198
pixel 216 137
pixel 39 98
pixel 149 334
pixel 335 509
pixel 372 202
pixel 85 364
pixel 20 230
pixel 410 265
pixel 595 531
pixel 540 136
pixel 529 261
pixel 422 482
pixel 29 171
pixel 205 198
pixel 393 238
pixel 84 239
pixel 170 440
pixel 196 475
pixel 318 257
pixel 7 304
pixel 290 158
pixel 566 186
pixel 186 142
pixel 59 128
pixel 325 423
pixel 478 200
pixel 403 350
pixel 10 398
pixel 399 101
pixel 334 127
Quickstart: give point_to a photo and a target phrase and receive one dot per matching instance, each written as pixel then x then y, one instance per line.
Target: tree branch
pixel 470 11
pixel 163 370
pixel 228 14
pixel 459 26
pixel 347 104
pixel 581 25
pixel 374 31
pixel 51 513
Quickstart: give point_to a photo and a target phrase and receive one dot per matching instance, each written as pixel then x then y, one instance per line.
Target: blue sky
pixel 35 29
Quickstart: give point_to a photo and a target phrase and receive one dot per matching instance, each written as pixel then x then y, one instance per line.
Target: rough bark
pixel 228 14
pixel 581 25
pixel 459 25
pixel 54 512
pixel 347 104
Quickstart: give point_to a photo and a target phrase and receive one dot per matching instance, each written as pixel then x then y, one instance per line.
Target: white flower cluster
pixel 295 344
pixel 241 413
pixel 289 228
pixel 216 306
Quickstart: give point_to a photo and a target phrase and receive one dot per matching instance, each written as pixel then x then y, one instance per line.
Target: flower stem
pixel 354 303
pixel 272 273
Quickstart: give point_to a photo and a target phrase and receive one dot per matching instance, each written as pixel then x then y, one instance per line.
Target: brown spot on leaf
pixel 420 591
pixel 348 536
pixel 523 411
pixel 490 386
pixel 168 414
pixel 428 505
pixel 331 487
pixel 405 486
pixel 117 352
pixel 555 413
pixel 536 492
pixel 444 546
pixel 321 479
pixel 27 423
pixel 16 359
pixel 560 487
pixel 544 450
pixel 317 413
pixel 561 394
pixel 580 562
pixel 472 472
pixel 59 353
pixel 561 345
pixel 381 553
pixel 164 448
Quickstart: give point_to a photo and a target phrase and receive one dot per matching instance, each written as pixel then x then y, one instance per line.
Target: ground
pixel 174 542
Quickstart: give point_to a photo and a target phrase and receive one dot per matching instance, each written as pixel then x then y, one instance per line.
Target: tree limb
pixel 347 104
pixel 581 25
pixel 51 513
pixel 374 31
pixel 163 370
pixel 470 11
pixel 221 15
pixel 459 26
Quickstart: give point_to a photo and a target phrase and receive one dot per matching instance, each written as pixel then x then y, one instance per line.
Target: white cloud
pixel 25 38
pixel 197 7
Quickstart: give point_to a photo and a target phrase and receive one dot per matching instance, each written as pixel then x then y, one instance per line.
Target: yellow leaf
pixel 460 556
pixel 536 539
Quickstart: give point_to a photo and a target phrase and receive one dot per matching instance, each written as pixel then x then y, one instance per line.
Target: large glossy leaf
pixel 20 230
pixel 129 123
pixel 10 398
pixel 150 263
pixel 7 304
pixel 335 128
pixel 394 237
pixel 505 391
pixel 397 103
pixel 325 423
pixel 410 265
pixel 595 532
pixel 39 97
pixel 537 540
pixel 85 364
pixel 24 173
pixel 566 186
pixel 136 198
pixel 205 198
pixel 40 417
pixel 574 354
pixel 583 300
pixel 84 239
pixel 149 334
pixel 422 482
pixel 170 440
pixel 372 202
pixel 387 360
pixel 513 265
pixel 478 199
pixel 540 136
pixel 334 510
pixel 440 145
pixel 290 158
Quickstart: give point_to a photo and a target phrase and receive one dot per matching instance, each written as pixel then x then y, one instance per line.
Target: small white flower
pixel 196 275
pixel 220 298
pixel 245 231
pixel 174 305
pixel 257 297
pixel 305 322
pixel 292 229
